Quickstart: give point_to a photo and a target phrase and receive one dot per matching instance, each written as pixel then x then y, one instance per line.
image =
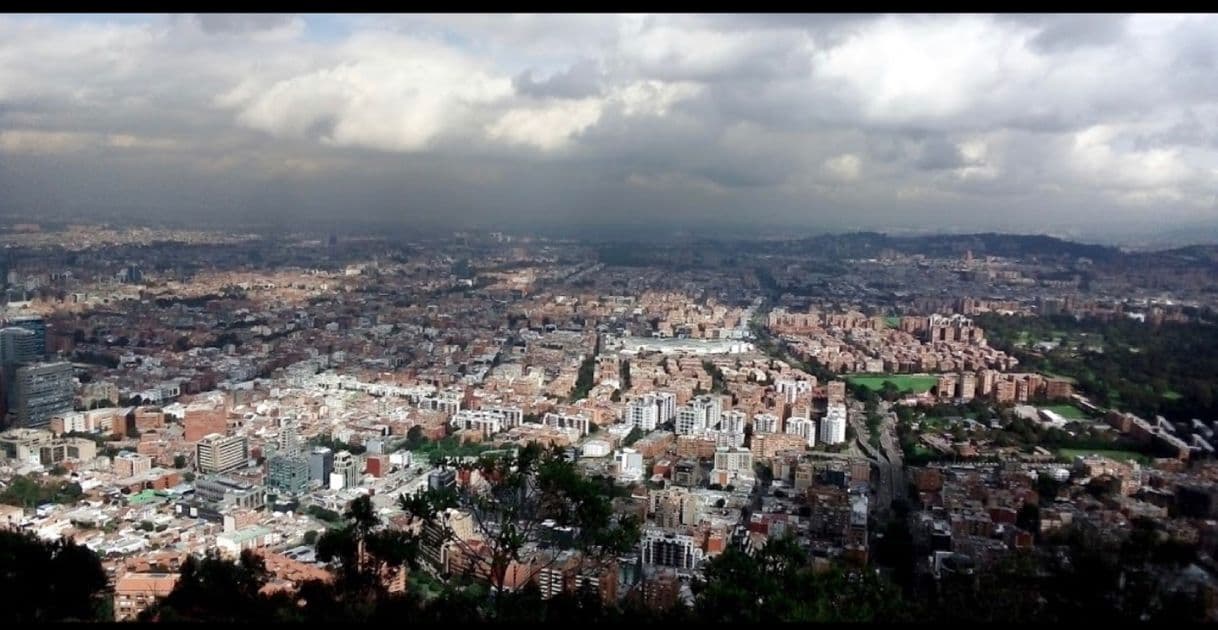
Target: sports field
pixel 916 383
pixel 1069 412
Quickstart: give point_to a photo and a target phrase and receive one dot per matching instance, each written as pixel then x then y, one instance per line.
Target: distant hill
pixel 873 244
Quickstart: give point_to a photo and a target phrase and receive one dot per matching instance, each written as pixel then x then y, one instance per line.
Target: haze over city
pixel 1097 127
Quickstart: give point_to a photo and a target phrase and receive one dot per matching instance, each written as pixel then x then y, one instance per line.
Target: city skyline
pixel 1093 126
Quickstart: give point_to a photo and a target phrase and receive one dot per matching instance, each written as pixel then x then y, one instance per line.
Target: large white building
pixel 736 460
pixel 651 410
pixel 833 425
pixel 700 415
pixel 629 464
pixel 562 421
pixel 486 422
pixel 663 548
pixel 217 453
pixel 766 423
pixel 512 416
pixel 791 389
pixel 734 421
pixel 804 428
pixel 347 471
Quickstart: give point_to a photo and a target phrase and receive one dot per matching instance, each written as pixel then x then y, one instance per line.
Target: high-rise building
pixel 18 345
pixel 321 464
pixel 346 473
pixel 642 413
pixel 287 474
pixel 217 453
pixel 833 425
pixel 36 325
pixel 766 423
pixel 734 460
pixel 288 470
pixel 289 439
pixel 40 391
pixel 804 428
pixel 651 410
pixel 670 549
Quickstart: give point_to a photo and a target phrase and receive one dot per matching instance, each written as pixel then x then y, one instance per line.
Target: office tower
pixel 36 325
pixel 321 464
pixel 41 391
pixel 217 453
pixel 288 469
pixel 833 426
pixel 288 474
pixel 17 345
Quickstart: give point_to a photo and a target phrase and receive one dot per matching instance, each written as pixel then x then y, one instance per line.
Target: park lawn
pixel 1071 453
pixel 1070 412
pixel 916 383
pixel 1170 395
pixel 893 322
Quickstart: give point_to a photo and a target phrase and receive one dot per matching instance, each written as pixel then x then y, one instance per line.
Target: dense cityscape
pixel 928 414
pixel 582 318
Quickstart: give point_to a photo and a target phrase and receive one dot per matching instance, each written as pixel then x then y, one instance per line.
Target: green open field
pixel 1071 453
pixel 1069 412
pixel 1170 395
pixel 916 383
pixel 893 322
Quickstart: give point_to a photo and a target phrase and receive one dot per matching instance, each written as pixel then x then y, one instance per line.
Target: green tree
pixel 43 581
pixel 213 589
pixel 522 490
pixel 777 585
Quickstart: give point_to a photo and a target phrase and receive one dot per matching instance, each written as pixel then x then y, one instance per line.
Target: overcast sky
pixel 1019 123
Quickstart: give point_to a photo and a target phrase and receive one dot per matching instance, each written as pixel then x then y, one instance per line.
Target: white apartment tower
pixel 833 426
pixel 766 423
pixel 804 428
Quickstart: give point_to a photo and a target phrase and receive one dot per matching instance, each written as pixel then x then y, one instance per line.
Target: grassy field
pixel 893 322
pixel 1071 453
pixel 1170 395
pixel 916 383
pixel 1070 412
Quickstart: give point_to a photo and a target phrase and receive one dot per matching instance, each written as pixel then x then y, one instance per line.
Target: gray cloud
pixel 821 121
pixel 225 23
pixel 581 80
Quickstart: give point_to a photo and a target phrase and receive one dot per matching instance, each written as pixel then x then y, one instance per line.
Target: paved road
pixel 888 460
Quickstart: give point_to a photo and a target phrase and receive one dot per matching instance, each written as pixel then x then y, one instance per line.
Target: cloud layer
pixel 982 122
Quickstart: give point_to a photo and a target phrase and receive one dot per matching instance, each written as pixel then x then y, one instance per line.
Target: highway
pixel 888 460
